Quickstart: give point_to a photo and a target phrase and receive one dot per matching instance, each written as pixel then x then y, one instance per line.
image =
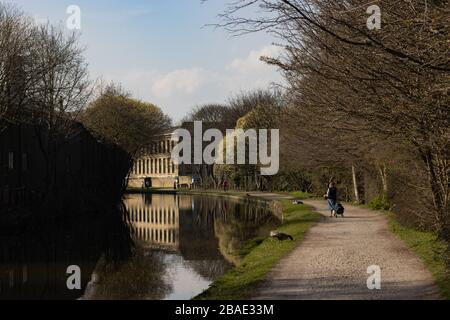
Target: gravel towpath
pixel 332 261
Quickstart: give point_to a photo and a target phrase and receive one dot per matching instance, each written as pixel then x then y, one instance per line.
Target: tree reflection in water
pixel 142 277
pixel 210 270
pixel 236 221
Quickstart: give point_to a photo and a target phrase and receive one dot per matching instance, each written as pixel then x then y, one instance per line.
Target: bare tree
pixel 17 70
pixel 64 88
pixel 60 90
pixel 357 88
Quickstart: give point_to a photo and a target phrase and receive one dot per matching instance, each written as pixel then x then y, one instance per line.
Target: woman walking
pixel 332 196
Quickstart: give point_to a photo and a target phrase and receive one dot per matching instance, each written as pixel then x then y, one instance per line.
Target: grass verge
pixel 260 255
pixel 432 251
pixel 304 195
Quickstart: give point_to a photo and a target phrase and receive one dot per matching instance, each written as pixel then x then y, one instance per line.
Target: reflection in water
pixel 155 220
pixel 35 257
pixel 167 247
pixel 141 277
pixel 238 223
pixel 201 236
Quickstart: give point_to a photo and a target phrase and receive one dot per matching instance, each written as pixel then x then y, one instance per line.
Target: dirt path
pixel 332 262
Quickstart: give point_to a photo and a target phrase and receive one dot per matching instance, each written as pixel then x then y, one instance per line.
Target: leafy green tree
pixel 130 123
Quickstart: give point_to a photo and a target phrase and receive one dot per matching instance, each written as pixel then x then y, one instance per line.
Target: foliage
pixel 380 202
pixel 129 123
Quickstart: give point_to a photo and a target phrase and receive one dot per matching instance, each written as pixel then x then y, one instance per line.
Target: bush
pixel 380 202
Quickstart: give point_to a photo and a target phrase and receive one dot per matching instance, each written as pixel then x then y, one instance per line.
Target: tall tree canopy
pixel 127 122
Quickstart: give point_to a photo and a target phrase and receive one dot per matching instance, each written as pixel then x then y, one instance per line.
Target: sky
pixel 163 52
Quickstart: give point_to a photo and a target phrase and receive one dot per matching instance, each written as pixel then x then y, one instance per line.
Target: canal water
pixel 156 246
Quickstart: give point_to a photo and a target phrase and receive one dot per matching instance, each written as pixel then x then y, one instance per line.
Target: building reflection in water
pixel 181 244
pixel 155 220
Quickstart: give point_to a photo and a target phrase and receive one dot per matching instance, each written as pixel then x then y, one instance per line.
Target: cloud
pixel 179 82
pixel 253 62
pixel 249 72
pixel 177 91
pixel 182 81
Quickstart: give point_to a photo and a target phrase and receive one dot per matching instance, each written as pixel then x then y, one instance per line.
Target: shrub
pixel 380 202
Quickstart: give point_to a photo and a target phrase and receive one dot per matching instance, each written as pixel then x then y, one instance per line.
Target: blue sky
pixel 161 50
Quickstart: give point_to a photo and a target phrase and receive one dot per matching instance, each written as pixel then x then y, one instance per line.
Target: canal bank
pixel 260 255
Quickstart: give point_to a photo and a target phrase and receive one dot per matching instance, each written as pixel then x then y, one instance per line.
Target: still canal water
pixel 157 247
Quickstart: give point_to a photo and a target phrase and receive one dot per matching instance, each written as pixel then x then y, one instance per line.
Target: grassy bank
pixel 304 195
pixel 432 251
pixel 260 255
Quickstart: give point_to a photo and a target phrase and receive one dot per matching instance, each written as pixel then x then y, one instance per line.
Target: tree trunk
pixel 355 185
pixel 438 176
pixel 383 176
